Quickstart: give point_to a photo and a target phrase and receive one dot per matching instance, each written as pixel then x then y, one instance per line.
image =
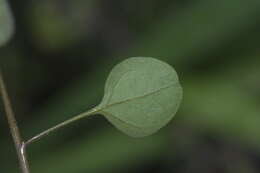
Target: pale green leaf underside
pixel 141 96
pixel 6 22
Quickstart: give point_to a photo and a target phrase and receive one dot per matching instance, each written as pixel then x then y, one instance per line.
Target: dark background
pixel 56 64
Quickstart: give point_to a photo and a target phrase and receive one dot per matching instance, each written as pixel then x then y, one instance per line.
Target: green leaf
pixel 6 22
pixel 141 96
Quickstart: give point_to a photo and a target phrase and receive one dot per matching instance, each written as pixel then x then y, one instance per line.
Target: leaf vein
pixel 138 97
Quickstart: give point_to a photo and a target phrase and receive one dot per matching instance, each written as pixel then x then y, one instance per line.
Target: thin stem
pixel 19 144
pixel 67 122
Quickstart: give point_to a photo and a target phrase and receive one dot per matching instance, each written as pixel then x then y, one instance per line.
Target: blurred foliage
pixel 6 22
pixel 58 60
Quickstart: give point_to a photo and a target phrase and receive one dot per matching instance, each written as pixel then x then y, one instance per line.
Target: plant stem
pixel 19 144
pixel 56 127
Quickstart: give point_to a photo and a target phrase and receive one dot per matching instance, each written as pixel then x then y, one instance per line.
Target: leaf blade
pixel 131 91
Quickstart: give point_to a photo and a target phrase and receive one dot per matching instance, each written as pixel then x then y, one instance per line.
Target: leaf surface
pixel 141 96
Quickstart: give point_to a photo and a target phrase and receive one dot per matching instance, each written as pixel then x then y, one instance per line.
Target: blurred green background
pixel 56 64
